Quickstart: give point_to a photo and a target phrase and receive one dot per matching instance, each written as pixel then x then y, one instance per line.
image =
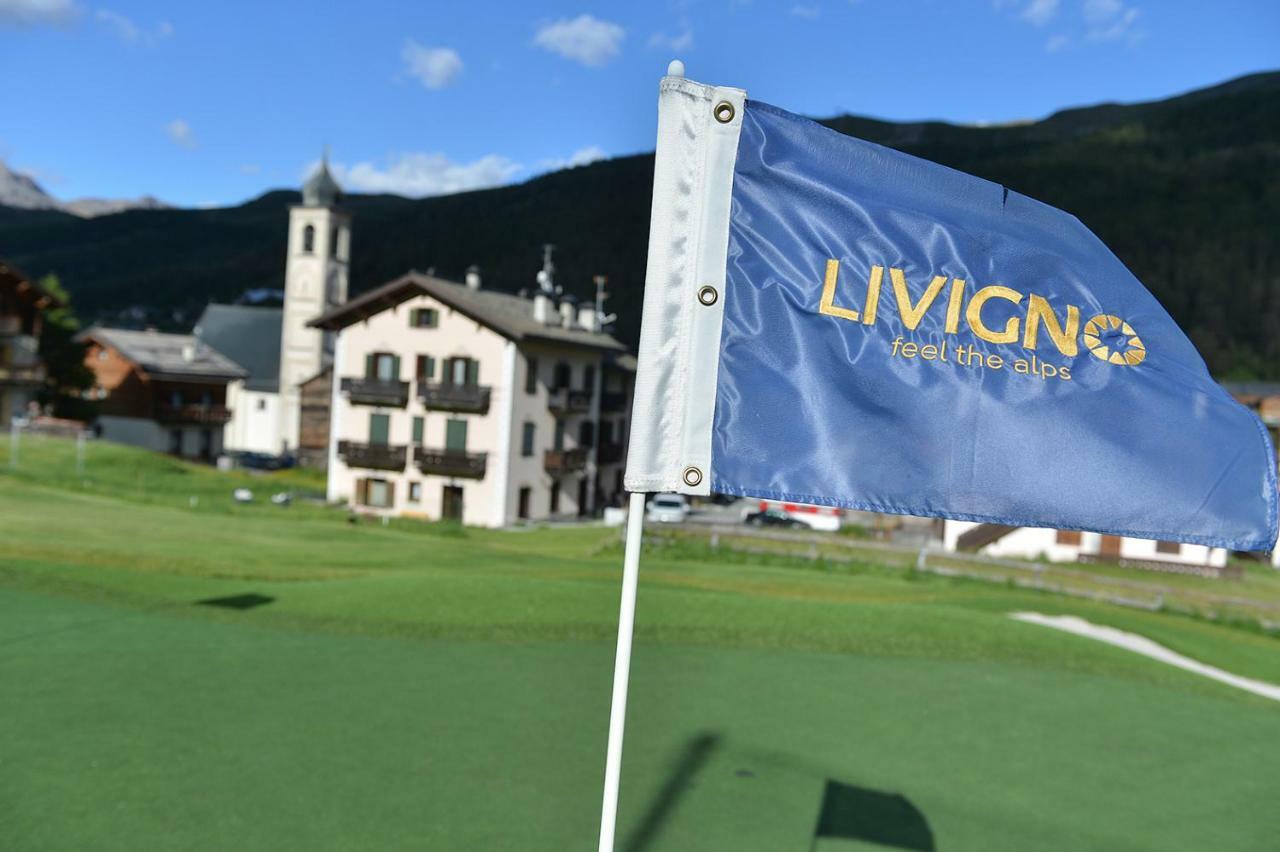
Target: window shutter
pixel 473 372
pixel 431 367
pixel 395 368
pixel 417 430
pixel 370 367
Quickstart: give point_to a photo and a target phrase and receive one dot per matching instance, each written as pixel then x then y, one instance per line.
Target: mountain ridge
pixel 1185 190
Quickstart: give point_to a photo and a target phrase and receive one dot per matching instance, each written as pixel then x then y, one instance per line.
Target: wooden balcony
pixel 559 462
pixel 27 374
pixel 198 413
pixel 446 397
pixel 361 391
pixel 565 401
pixel 450 463
pixel 609 453
pixel 372 456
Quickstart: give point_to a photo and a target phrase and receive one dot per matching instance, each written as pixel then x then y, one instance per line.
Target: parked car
pixel 668 509
pixel 773 518
pixel 817 518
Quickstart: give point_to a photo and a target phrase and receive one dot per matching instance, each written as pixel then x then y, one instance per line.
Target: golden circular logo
pixel 1129 351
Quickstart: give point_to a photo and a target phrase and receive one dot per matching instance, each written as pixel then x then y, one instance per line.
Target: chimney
pixel 568 311
pixel 542 307
pixel 473 277
pixel 588 317
pixel 188 352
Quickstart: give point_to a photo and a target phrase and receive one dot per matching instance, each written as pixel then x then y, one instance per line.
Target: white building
pixel 1074 546
pixel 455 402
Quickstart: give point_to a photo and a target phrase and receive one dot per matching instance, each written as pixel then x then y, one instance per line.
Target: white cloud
pixel 1056 43
pixel 180 133
pixel 126 30
pixel 419 174
pixel 1110 20
pixel 800 10
pixel 675 43
pixel 1040 12
pixel 435 67
pixel 584 39
pixel 20 13
pixel 581 157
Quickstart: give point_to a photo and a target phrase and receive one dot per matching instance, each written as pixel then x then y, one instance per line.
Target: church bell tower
pixel 315 279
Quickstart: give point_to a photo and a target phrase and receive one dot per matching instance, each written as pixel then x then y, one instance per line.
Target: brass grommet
pixel 724 112
pixel 692 476
pixel 708 295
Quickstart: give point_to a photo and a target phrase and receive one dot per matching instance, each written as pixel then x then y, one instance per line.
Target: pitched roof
pixel 249 336
pixel 26 289
pixel 163 355
pixel 508 315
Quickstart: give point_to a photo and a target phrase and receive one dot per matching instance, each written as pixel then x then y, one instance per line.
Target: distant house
pixel 1073 546
pixel 317 406
pixel 22 373
pixel 165 392
pixel 452 401
pixel 249 336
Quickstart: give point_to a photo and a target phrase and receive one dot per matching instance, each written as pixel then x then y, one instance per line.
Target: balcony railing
pixel 613 402
pixel 385 392
pixel 450 463
pixel 208 415
pixel 29 374
pixel 372 456
pixel 609 453
pixel 569 401
pixel 447 397
pixel 559 462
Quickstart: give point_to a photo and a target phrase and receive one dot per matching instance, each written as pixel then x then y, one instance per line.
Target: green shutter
pixel 417 430
pixel 370 367
pixel 431 368
pixel 395 368
pixel 455 436
pixel 379 428
pixel 473 372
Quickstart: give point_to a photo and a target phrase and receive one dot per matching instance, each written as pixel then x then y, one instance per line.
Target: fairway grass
pixel 425 687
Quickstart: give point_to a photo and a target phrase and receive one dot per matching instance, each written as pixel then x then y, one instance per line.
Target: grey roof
pixel 163 355
pixel 248 335
pixel 508 315
pixel 321 190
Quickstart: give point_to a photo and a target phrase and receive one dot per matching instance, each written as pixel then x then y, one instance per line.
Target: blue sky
pixel 214 102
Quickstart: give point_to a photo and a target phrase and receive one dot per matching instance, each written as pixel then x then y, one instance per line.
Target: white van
pixel 667 509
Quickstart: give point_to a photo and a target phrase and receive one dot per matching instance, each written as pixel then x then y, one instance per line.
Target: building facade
pixel 164 392
pixel 1073 546
pixel 22 372
pixel 453 402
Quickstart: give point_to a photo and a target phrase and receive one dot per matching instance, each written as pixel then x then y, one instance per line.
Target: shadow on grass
pixel 696 753
pixel 850 812
pixel 241 602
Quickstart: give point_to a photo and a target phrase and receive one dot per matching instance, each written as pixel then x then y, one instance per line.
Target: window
pixel 526 440
pixel 333 243
pixel 588 378
pixel 415 492
pixel 376 493
pixel 1068 537
pixel 379 428
pixel 1172 548
pixel 586 434
pixel 522 509
pixel 262 405
pixel 382 366
pixel 175 399
pixel 531 376
pixel 309 239
pixel 455 436
pixel 417 430
pixel 102 354
pixel 175 441
pixel 424 369
pixel 461 371
pixel 559 439
pixel 555 498
pixel 563 376
pixel 424 318
pixel 606 432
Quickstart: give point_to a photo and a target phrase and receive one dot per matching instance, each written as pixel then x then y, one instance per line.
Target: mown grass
pixel 414 686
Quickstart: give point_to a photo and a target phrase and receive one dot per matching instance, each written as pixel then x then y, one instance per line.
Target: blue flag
pixel 829 321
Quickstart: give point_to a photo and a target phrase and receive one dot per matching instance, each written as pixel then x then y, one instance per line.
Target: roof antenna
pixel 547 275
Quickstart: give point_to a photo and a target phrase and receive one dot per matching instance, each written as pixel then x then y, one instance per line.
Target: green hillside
pixel 1186 191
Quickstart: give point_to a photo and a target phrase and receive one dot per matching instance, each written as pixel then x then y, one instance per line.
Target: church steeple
pixel 321 190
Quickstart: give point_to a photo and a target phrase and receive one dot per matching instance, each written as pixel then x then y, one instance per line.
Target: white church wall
pixel 255 420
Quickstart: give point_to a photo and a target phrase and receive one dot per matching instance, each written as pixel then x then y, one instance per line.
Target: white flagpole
pixel 621 671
